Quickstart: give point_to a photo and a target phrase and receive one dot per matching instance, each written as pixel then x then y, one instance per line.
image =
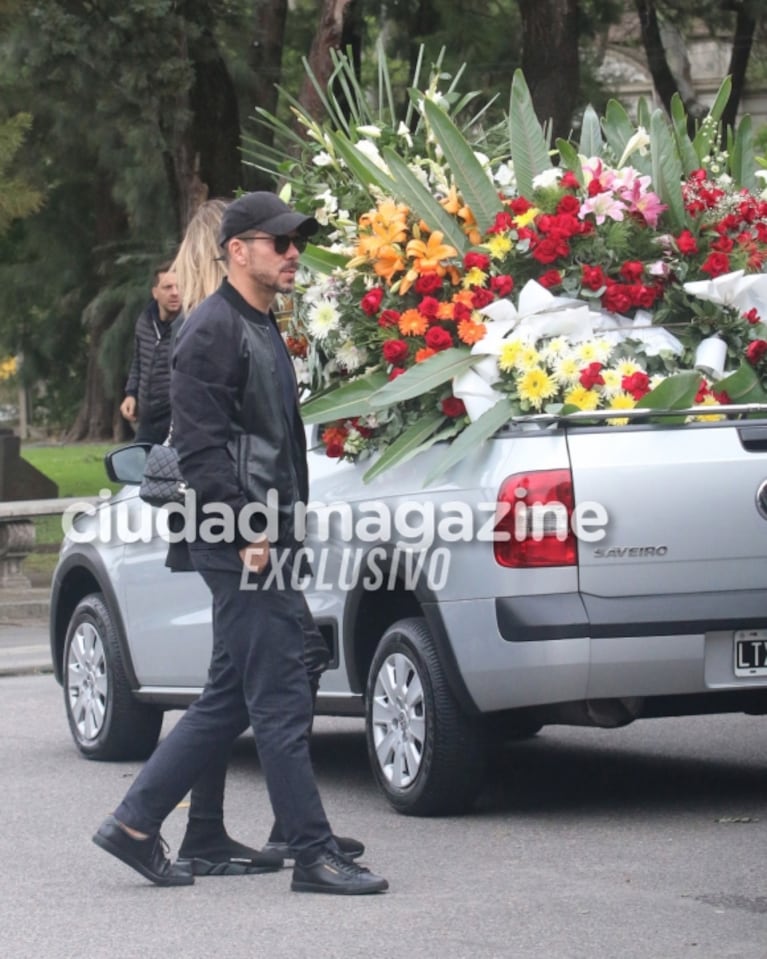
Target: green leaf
pixel 743 156
pixel 322 261
pixel 529 149
pixel 422 377
pixel 687 155
pixel 743 385
pixel 406 444
pixel 410 189
pixel 676 392
pixel 709 129
pixel 667 170
pixel 475 186
pixel 351 399
pixel 591 134
pixel 569 158
pixel 473 436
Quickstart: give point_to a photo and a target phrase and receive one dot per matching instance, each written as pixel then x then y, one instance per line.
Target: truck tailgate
pixel 683 514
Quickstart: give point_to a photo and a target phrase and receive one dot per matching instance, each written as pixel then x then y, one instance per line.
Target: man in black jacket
pixel 240 439
pixel 147 391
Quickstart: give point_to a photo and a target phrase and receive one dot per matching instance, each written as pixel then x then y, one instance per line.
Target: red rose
pixel 550 278
pixel 478 261
pixel 428 283
pixel 394 351
pixel 569 204
pixel 428 307
pixel 616 299
pixel 452 406
pixel 519 205
pixel 335 449
pixel 438 339
pixel 389 318
pixel 716 264
pixel 591 376
pixel 687 243
pixel 632 271
pixel 371 301
pixel 752 316
pixel 481 297
pixel 569 180
pixel 502 285
pixel 637 384
pixel 755 351
pixel 593 277
pixel 395 372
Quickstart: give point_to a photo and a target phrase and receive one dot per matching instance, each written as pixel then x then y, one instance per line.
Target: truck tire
pixel 427 756
pixel 105 720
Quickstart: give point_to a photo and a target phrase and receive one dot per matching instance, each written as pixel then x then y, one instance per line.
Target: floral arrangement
pixel 463 291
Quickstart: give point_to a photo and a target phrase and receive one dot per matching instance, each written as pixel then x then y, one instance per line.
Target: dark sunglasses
pixel 281 243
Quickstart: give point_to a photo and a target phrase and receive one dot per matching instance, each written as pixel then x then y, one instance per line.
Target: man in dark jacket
pixel 240 439
pixel 147 391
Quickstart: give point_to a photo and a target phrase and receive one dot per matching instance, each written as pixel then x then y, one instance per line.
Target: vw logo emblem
pixel 761 498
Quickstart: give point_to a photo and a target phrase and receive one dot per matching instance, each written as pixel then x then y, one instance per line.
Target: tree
pixel 550 59
pixel 662 25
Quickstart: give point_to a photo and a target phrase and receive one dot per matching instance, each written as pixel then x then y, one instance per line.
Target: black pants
pixel 257 677
pixel 207 798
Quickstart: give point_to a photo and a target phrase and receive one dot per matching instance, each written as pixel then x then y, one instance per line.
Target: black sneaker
pixel 331 872
pixel 224 856
pixel 146 856
pixel 351 848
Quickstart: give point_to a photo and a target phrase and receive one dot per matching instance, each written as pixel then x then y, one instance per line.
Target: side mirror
pixel 126 463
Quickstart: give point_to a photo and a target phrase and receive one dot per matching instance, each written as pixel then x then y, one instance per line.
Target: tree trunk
pixel 95 418
pixel 550 60
pixel 265 54
pixel 745 27
pixel 330 35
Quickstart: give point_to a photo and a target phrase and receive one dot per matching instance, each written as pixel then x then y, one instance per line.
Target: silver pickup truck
pixel 566 573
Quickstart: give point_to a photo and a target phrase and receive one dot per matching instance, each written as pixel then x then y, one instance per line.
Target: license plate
pixel 751 652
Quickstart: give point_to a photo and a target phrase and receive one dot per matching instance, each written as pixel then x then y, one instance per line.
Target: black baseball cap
pixel 263 211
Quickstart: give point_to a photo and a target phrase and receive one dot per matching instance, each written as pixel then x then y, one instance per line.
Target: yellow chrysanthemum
pixel 526 218
pixel 474 277
pixel 708 400
pixel 582 398
pixel 621 401
pixel 510 351
pixel 499 246
pixel 535 386
pixel 555 348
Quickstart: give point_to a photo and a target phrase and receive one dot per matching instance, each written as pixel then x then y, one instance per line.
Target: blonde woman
pixel 199 265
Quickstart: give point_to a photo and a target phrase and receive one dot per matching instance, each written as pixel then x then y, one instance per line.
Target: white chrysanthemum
pixel 369 130
pixel 323 319
pixel 547 178
pixel 370 150
pixel 318 291
pixel 322 159
pixel 351 357
pixel 566 369
pixel 555 349
pixel 354 442
pixel 593 351
pixel 612 385
pixel 656 380
pixel 628 366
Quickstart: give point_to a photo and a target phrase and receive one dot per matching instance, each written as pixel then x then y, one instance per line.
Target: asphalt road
pixel 641 843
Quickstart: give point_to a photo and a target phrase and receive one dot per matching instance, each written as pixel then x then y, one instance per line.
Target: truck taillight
pixel 535 512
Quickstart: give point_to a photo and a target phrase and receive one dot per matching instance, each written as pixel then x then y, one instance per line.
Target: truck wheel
pixel 105 720
pixel 427 756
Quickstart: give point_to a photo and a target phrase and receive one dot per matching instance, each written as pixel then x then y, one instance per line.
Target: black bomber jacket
pixel 236 421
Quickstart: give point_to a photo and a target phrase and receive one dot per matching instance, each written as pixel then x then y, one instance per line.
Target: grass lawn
pixel 78 469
